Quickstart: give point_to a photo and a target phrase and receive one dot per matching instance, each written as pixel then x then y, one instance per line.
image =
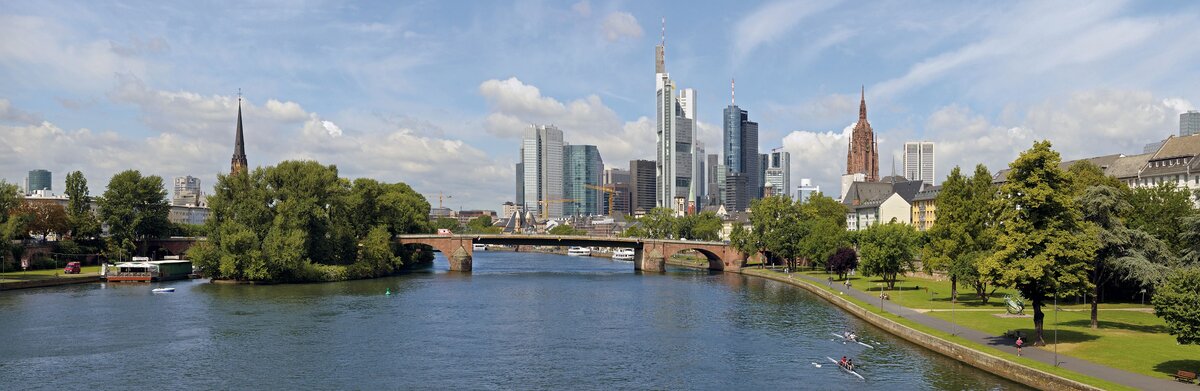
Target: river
pixel 519 321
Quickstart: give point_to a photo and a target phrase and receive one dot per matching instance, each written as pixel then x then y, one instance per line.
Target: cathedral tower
pixel 238 163
pixel 863 156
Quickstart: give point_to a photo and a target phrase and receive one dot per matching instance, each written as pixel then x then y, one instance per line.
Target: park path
pixel 1085 367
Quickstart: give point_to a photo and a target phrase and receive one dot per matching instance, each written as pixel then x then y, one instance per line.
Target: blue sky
pixel 436 93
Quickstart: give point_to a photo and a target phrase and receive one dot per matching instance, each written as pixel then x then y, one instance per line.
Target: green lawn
pixel 47 273
pixel 980 347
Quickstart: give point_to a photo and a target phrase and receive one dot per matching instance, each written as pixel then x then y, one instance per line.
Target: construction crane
pixel 546 210
pixel 440 197
pixel 611 193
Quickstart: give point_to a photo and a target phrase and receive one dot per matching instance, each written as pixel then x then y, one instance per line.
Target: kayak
pixel 848 339
pixel 844 368
pixel 162 290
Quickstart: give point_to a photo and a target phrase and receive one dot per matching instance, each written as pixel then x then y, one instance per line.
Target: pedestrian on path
pixel 1019 343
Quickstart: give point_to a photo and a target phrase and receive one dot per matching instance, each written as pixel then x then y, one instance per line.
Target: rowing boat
pixel 848 370
pixel 855 340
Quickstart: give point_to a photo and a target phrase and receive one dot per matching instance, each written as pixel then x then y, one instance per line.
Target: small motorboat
pixel 623 254
pixel 162 290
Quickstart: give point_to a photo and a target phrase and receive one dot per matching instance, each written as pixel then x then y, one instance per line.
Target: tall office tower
pixel 542 160
pixel 918 161
pixel 187 191
pixel 583 172
pixel 713 195
pixel 520 199
pixel 37 180
pixel 642 185
pixel 675 124
pixel 779 171
pixel 617 180
pixel 863 156
pixel 741 158
pixel 699 180
pixel 806 190
pixel 1189 123
pixel 762 173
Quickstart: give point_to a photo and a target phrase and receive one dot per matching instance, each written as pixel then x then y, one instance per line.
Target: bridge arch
pixel 650 254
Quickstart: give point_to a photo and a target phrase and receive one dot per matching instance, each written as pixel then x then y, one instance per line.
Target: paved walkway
pixel 1007 344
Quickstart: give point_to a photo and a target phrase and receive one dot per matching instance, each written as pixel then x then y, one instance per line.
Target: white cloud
pixel 10 113
pixel 331 128
pixel 770 21
pixel 619 25
pixel 46 54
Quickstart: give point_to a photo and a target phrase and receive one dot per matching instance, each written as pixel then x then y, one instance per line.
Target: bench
pixel 1184 376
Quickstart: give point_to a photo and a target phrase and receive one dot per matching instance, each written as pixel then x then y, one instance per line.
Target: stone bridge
pixel 649 254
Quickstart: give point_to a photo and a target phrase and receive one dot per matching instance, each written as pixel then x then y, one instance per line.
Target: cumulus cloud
pixel 331 128
pixel 10 113
pixel 514 106
pixel 619 25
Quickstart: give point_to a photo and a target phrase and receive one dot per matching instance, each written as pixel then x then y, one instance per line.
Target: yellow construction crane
pixel 611 193
pixel 440 197
pixel 546 211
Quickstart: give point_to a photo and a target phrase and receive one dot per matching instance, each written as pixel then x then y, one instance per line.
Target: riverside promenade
pixel 1003 343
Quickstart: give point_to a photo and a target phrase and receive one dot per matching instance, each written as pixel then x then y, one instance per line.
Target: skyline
pixel 438 94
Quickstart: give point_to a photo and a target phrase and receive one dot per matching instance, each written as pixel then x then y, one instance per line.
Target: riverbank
pixel 51 281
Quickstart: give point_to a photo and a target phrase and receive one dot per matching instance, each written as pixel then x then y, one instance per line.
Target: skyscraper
pixel 520 198
pixel 806 190
pixel 238 163
pixel 762 173
pixel 542 161
pixel 863 156
pixel 918 161
pixel 618 180
pixel 779 171
pixel 699 180
pixel 675 123
pixel 37 180
pixel 1189 123
pixel 582 166
pixel 642 185
pixel 714 175
pixel 741 158
pixel 187 191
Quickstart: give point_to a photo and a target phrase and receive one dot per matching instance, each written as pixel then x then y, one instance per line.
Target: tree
pixel 1132 254
pixel 963 235
pixel 44 218
pixel 1177 301
pixel 134 208
pixel 704 226
pixel 843 261
pixel 1160 210
pixel 11 224
pixel 447 223
pixel 1190 254
pixel 822 228
pixel 888 250
pixel 1041 248
pixel 83 223
pixel 482 225
pixel 776 228
pixel 566 230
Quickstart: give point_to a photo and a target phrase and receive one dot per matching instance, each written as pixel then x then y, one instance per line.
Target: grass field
pixel 1130 336
pixel 47 273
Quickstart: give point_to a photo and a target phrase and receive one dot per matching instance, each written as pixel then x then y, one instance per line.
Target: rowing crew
pixel 849 335
pixel 848 364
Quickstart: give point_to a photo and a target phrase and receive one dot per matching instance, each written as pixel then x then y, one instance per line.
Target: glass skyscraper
pixel 741 159
pixel 1189 123
pixel 582 166
pixel 542 163
pixel 37 180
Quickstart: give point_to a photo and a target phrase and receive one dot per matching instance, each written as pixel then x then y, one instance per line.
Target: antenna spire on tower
pixel 732 92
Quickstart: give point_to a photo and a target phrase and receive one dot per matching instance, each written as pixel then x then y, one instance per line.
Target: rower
pixel 850 364
pixel 843 363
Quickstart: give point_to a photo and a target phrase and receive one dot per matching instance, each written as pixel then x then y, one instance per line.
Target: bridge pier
pixel 460 260
pixel 649 259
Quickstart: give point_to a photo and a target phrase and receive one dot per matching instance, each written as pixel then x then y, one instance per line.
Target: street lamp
pixel 880 296
pixel 1143 292
pixel 1056 324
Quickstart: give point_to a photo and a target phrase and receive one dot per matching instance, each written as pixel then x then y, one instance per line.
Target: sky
pixel 437 94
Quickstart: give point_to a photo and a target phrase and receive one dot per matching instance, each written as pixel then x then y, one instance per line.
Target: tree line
pixel 663 223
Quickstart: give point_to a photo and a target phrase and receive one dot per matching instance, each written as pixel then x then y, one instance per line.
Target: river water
pixel 519 321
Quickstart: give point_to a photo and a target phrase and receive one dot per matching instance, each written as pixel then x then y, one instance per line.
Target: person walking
pixel 1020 342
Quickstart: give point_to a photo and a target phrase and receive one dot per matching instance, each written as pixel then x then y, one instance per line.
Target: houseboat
pixel 623 254
pixel 144 270
pixel 577 251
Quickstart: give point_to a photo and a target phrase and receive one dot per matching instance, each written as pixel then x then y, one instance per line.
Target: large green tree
pixel 44 218
pixel 658 223
pixel 135 208
pixel 1130 254
pixel 1177 301
pixel 963 235
pixel 1190 253
pixel 11 224
pixel 888 250
pixel 1042 248
pixel 83 222
pixel 483 225
pixel 705 226
pixel 1160 210
pixel 822 229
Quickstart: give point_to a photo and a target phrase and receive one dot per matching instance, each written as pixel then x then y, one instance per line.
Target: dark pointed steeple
pixel 238 163
pixel 862 104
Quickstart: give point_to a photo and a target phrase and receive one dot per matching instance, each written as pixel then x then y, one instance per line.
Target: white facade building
pixel 778 172
pixel 542 163
pixel 919 161
pixel 806 190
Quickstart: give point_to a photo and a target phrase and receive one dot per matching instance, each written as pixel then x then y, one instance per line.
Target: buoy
pixel 389 292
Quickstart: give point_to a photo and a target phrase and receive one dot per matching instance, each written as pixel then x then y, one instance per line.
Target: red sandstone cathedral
pixel 863 157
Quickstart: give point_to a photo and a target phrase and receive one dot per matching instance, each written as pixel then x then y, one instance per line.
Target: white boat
pixel 478 247
pixel 576 251
pixel 623 254
pixel 845 339
pixel 162 290
pixel 848 370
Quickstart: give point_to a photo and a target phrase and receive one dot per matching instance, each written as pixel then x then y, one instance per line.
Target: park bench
pixel 1185 376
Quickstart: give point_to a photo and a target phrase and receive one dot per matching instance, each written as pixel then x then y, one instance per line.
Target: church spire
pixel 238 163
pixel 862 104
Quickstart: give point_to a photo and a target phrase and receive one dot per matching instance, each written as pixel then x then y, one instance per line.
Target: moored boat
pixel 577 251
pixel 623 254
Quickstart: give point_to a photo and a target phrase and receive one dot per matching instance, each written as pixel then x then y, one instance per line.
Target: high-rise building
pixel 617 180
pixel 806 190
pixel 714 179
pixel 37 180
pixel 187 191
pixel 642 185
pixel 542 161
pixel 238 163
pixel 762 174
pixel 1189 123
pixel 863 156
pixel 699 179
pixel 918 161
pixel 520 198
pixel 742 160
pixel 779 171
pixel 675 124
pixel 582 167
